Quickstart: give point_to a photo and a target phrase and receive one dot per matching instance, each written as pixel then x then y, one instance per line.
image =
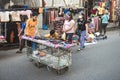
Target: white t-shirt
pixel 67 26
pixel 4 16
pixel 15 16
pixel 27 12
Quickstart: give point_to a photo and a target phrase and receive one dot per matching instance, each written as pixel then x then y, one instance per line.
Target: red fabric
pixel 44 3
pixel 52 16
pixel 94 11
pixel 100 4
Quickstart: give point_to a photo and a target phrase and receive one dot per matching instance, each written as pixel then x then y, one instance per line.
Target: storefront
pixel 10 17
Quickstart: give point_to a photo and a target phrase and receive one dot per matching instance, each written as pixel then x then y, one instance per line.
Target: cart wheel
pixel 66 68
pixel 59 72
pixel 30 59
pixel 105 37
pixel 38 64
pixel 62 71
pixel 49 68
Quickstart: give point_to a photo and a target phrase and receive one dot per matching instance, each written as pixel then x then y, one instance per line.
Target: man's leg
pixel 82 39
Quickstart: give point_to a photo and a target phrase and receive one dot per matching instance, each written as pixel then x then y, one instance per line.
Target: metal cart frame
pixel 58 56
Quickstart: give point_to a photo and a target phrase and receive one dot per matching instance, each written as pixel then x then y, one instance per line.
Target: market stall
pixel 55 54
pixel 11 13
pixel 58 24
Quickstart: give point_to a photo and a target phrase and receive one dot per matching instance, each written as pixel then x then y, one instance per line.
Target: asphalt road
pixel 96 62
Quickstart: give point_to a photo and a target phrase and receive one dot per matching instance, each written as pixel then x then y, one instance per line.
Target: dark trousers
pixel 31 44
pixel 103 28
pixel 22 43
pixel 69 37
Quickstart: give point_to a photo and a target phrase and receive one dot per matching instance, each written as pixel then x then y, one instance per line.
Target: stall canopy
pixel 30 3
pixel 38 3
pixel 65 3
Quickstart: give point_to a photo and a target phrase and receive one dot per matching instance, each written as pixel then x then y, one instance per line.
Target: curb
pixel 112 28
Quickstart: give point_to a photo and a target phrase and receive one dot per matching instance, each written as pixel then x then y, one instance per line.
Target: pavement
pixel 96 62
pixel 112 26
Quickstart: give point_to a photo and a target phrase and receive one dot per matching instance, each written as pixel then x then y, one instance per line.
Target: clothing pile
pixel 2 39
pixel 7 16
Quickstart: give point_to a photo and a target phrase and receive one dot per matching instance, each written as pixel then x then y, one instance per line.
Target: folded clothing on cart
pixel 40 38
pixel 50 43
pixel 55 41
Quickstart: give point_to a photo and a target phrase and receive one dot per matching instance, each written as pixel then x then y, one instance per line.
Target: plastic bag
pixel 64 36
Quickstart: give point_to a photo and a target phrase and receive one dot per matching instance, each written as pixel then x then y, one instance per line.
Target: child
pixel 52 35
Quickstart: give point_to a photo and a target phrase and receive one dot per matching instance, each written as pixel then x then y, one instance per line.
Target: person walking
pixel 31 30
pixel 105 19
pixel 21 33
pixel 83 27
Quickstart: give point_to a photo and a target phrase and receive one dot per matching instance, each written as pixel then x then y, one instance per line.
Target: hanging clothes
pixel 95 19
pixel 4 16
pixel 15 16
pixel 56 14
pixel 46 18
pixel 94 11
pixel 49 17
pixel 100 9
pixel 12 32
pixel 100 4
pixel 52 16
pixel 26 12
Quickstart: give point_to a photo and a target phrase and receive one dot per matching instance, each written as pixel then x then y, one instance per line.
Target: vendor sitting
pixel 91 26
pixel 52 35
pixel 90 38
